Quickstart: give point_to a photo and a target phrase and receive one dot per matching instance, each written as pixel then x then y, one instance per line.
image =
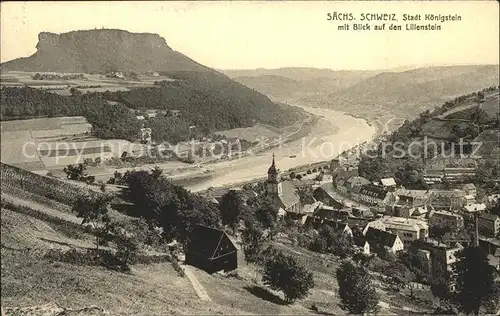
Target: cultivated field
pixel 47 143
pixel 90 82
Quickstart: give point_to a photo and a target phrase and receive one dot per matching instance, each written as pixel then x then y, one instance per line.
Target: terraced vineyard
pixel 16 181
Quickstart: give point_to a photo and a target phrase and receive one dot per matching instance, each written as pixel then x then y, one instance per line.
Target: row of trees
pixel 171 207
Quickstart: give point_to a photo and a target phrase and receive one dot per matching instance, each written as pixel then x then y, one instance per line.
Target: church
pixel 282 193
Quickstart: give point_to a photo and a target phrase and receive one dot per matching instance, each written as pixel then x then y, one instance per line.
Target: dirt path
pixel 198 288
pixel 42 208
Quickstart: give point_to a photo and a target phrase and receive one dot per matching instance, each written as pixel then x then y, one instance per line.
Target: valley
pixel 136 180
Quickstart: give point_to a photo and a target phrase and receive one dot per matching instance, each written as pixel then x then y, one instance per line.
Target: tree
pixel 175 209
pixel 252 238
pixel 356 290
pixel 94 211
pixel 74 91
pixel 495 210
pixel 492 304
pixel 102 186
pixel 439 231
pixel 399 275
pixel 283 273
pixel 266 213
pixel 319 244
pixel 156 172
pixel 337 243
pixel 75 172
pixel 195 211
pixel 231 208
pixel 440 287
pixel 474 279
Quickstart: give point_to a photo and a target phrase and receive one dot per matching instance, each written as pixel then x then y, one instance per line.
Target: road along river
pixel 330 136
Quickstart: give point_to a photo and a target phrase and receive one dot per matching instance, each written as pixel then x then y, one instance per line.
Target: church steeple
pixel 272 172
pixel 273 185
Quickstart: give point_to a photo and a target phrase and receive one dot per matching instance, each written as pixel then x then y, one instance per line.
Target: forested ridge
pixel 108 120
pixel 210 101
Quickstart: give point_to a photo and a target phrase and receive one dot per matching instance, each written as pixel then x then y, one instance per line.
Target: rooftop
pixel 446 213
pixel 410 224
pixel 477 207
pixel 448 193
pixel 288 196
pixel 388 182
pixel 380 237
pixel 357 181
pixel 374 191
pixel 489 217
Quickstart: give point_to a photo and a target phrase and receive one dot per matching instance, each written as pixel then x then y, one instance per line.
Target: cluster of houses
pixel 149 114
pixel 384 215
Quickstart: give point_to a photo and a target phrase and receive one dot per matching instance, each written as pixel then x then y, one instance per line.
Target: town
pixel 229 168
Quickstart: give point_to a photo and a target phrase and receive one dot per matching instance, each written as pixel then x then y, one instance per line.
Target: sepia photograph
pixel 250 158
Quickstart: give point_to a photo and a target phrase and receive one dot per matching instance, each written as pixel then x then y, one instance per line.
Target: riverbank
pixel 333 133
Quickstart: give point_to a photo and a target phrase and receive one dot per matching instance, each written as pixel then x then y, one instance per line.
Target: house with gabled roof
pixel 489 224
pixel 329 212
pixel 326 193
pixel 447 199
pixel 362 244
pixel 413 198
pixel 356 182
pixel 338 226
pixel 211 250
pixel 373 195
pixel 381 238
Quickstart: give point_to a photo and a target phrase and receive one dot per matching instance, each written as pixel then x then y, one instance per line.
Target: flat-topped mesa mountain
pixel 103 50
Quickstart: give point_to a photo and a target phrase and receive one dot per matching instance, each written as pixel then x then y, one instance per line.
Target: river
pixel 332 134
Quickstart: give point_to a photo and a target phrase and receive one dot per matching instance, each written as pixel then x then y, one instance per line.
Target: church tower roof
pixel 272 169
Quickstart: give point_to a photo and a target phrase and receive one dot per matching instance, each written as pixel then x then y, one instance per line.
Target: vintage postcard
pixel 250 157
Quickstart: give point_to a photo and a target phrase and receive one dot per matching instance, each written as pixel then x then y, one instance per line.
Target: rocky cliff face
pixel 103 50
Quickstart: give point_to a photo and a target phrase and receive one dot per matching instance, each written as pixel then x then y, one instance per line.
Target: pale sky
pixel 246 35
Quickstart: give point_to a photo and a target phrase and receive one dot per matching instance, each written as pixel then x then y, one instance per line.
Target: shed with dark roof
pixel 211 250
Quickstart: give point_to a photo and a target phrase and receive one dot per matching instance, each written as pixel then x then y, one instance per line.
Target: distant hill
pixel 386 97
pixel 103 50
pixel 206 98
pixel 295 82
pixel 411 92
